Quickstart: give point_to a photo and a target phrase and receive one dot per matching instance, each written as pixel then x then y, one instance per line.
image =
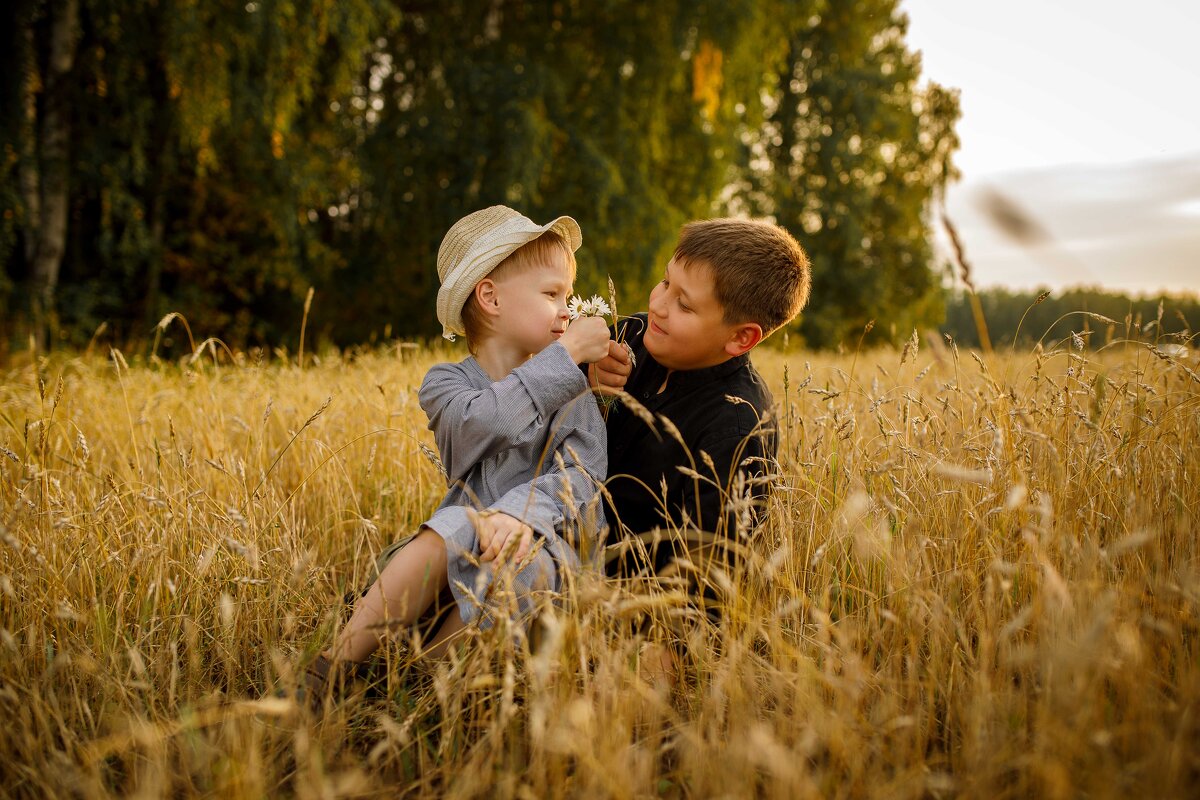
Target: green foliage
pixel 226 157
pixel 852 155
pixel 572 108
pixel 192 148
pixel 1021 318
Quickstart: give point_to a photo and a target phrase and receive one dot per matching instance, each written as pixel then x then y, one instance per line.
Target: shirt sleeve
pixel 565 491
pixel 448 521
pixel 470 424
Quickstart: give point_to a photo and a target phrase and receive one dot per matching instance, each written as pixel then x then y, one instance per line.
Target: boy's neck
pixel 498 358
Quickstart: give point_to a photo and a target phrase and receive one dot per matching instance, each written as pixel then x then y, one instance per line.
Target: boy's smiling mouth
pixel 655 327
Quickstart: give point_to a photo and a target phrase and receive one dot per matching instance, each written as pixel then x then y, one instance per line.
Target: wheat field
pixel 978 578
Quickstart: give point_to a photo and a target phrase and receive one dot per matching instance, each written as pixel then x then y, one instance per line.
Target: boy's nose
pixel 657 305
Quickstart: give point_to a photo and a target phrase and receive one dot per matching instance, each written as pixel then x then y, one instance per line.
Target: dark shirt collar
pixel 699 377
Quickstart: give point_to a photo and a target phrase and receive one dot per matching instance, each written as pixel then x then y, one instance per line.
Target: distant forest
pixel 1054 317
pixel 223 160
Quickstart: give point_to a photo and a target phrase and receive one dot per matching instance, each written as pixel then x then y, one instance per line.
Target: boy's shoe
pixel 314 683
pixel 323 676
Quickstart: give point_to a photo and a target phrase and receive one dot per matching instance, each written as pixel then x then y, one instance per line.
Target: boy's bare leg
pixel 445 635
pixel 407 586
pixel 657 667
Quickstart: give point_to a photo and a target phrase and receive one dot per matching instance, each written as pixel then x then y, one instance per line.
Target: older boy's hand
pixel 502 537
pixel 586 339
pixel 612 371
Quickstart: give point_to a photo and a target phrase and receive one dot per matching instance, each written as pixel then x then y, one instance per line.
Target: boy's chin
pixel 649 341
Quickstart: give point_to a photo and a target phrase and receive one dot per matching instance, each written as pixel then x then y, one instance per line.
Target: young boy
pixel 521 438
pixel 730 284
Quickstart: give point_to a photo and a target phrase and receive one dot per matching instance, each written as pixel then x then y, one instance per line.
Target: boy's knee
pixel 426 546
pixel 430 539
pixel 429 546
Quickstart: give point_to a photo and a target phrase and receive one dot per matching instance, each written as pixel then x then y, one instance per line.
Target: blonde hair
pixel 760 272
pixel 529 255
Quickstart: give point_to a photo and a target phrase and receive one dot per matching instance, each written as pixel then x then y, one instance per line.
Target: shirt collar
pixel 705 375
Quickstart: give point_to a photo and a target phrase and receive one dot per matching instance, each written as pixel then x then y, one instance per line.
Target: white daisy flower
pixel 594 307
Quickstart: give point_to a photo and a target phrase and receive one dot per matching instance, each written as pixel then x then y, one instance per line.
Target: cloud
pixel 1188 208
pixel 1129 226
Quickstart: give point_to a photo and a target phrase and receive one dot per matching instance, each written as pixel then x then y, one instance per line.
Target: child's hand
pixel 586 339
pixel 612 371
pixel 502 536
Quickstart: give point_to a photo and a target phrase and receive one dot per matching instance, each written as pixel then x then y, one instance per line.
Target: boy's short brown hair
pixel 760 272
pixel 530 254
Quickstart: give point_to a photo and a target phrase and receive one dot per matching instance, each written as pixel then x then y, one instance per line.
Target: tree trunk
pixel 54 134
pixel 155 262
pixel 164 166
pixel 28 173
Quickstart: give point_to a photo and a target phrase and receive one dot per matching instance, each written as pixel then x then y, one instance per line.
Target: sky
pixel 1083 115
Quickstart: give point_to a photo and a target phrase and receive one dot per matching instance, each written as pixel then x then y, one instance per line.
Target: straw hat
pixel 475 245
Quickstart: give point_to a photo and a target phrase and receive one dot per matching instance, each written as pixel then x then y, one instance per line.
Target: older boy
pixel 730 284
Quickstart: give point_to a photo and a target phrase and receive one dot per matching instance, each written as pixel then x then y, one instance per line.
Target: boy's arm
pixel 569 476
pixel 471 424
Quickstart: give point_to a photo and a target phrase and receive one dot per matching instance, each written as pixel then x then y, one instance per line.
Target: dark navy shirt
pixel 723 411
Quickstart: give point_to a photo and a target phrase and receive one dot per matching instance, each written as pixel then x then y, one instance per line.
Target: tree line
pixel 221 159
pixel 1025 318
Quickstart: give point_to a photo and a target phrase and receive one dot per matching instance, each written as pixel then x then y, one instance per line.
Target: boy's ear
pixel 743 337
pixel 486 296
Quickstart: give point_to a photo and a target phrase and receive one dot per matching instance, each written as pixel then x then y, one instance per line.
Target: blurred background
pixel 220 160
pixel 1078 112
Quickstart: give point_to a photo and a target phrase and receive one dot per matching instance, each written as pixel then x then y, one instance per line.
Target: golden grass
pixel 978 579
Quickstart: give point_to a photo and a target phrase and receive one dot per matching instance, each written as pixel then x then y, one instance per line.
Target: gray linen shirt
pixel 532 446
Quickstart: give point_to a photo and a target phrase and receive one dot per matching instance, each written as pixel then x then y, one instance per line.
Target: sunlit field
pixel 978 578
